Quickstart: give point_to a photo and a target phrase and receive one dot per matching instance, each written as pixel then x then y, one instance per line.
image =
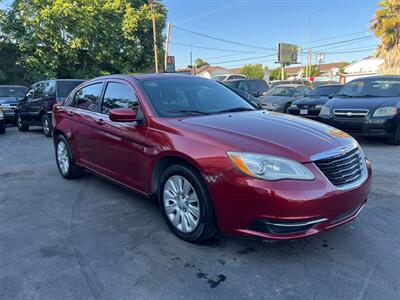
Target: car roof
pixel 243 79
pixel 378 77
pixel 290 85
pixel 329 85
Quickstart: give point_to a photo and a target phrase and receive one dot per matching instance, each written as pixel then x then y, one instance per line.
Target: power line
pixel 243 59
pixel 220 39
pixel 342 42
pixel 211 48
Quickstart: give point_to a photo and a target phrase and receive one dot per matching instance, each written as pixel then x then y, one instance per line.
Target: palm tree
pixel 386 27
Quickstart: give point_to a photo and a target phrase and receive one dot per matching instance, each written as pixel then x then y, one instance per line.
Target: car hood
pixel 319 100
pixel 370 103
pixel 264 132
pixel 8 100
pixel 274 99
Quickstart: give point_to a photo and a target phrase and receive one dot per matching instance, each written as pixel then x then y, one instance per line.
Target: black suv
pixel 255 87
pixel 35 108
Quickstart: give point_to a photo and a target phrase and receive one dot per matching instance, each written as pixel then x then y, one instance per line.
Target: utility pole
pixel 153 4
pixel 166 47
pixel 283 72
pixel 191 61
pixel 308 49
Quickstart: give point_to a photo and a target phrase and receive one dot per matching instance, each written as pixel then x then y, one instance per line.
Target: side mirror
pixel 331 96
pixel 122 115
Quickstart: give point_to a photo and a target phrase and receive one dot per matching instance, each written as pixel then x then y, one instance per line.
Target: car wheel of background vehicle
pixel 286 111
pixel 20 124
pixel 65 162
pixel 395 140
pixel 46 126
pixel 186 204
pixel 2 130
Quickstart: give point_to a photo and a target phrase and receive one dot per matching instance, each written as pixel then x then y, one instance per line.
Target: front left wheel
pixel 65 162
pixel 395 140
pixel 186 205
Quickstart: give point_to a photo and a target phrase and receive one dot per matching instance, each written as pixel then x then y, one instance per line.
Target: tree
pixel 275 74
pixel 200 62
pixel 386 27
pixel 83 38
pixel 253 71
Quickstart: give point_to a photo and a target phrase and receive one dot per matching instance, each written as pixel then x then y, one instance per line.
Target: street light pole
pixel 153 4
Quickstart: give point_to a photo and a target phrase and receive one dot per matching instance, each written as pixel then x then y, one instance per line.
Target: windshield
pixel 220 78
pixel 13 91
pixel 372 88
pixel 232 84
pixel 324 91
pixel 175 97
pixel 284 91
pixel 65 87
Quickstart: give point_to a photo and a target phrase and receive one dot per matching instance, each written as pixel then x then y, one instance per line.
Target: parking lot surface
pixel 91 239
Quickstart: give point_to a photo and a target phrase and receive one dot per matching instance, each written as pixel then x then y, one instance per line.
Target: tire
pixel 191 224
pixel 3 130
pixel 395 140
pixel 286 111
pixel 20 123
pixel 64 159
pixel 46 126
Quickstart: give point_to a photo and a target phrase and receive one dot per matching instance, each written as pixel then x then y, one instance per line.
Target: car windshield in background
pixel 324 91
pixel 232 84
pixel 372 88
pixel 219 78
pixel 175 97
pixel 65 87
pixel 283 91
pixel 12 91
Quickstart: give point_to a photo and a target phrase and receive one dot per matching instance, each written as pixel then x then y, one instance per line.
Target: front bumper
pixel 377 127
pixel 286 209
pixel 306 113
pixel 9 115
pixel 270 107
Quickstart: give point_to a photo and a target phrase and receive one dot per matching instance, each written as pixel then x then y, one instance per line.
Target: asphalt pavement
pixel 91 239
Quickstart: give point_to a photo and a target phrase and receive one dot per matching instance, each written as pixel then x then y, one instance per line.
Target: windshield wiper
pixel 235 109
pixel 188 111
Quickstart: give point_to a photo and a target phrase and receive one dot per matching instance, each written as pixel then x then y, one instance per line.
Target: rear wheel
pixel 46 126
pixel 395 140
pixel 20 123
pixel 3 129
pixel 65 162
pixel 186 205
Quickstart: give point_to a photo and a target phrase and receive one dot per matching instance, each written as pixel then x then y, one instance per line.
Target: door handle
pixel 70 113
pixel 100 121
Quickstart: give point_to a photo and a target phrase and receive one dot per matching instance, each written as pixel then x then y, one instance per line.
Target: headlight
pixel 293 106
pixel 319 106
pixel 269 167
pixel 325 111
pixel 385 112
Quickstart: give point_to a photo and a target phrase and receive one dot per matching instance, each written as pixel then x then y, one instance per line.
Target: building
pixel 330 70
pixel 365 67
pixel 210 71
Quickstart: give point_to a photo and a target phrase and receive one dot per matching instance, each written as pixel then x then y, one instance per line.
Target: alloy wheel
pixel 62 157
pixel 46 126
pixel 181 204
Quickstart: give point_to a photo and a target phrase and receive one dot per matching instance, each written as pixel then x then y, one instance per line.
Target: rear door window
pixel 50 89
pixel 87 98
pixel 119 95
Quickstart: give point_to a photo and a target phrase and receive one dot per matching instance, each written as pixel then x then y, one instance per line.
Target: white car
pixel 228 77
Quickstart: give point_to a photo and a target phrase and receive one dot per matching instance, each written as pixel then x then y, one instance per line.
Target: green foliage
pixel 83 38
pixel 275 74
pixel 386 27
pixel 200 62
pixel 253 71
pixel 314 71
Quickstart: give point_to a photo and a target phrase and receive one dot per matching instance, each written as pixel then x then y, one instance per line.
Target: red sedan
pixel 214 162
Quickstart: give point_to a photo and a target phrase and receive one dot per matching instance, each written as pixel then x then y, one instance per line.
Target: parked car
pixel 214 162
pixel 2 122
pixel 310 106
pixel 368 106
pixel 225 77
pixel 280 97
pixel 8 100
pixel 249 98
pixel 322 83
pixel 294 81
pixel 35 108
pixel 255 87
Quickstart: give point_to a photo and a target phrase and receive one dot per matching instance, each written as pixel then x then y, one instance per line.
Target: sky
pixel 265 23
pixel 257 26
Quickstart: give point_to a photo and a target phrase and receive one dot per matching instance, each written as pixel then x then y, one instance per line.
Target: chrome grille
pixel 343 169
pixel 351 113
